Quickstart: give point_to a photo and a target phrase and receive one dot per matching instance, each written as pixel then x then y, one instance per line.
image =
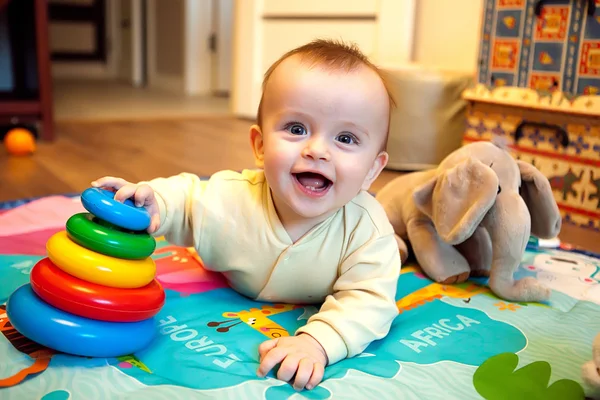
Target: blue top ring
pixel 101 203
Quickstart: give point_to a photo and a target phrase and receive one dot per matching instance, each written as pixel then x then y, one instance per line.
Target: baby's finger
pixel 317 376
pixel 125 192
pixel 305 370
pixel 154 222
pixel 266 346
pixel 110 182
pixel 270 360
pixel 144 196
pixel 288 367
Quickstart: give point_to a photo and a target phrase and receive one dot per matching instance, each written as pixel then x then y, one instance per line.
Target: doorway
pixel 131 49
pixel 161 58
pixel 221 46
pixel 180 45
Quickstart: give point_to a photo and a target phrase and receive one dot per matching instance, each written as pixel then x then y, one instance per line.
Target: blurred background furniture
pixel 429 120
pixel 25 76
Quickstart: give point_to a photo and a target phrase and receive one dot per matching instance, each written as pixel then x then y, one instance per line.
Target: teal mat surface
pixel 448 342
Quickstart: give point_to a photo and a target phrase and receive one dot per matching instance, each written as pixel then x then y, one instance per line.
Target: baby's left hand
pixel 300 355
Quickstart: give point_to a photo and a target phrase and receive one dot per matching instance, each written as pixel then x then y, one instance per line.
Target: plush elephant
pixel 473 216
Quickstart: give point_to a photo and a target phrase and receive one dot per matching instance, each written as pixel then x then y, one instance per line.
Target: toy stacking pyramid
pixel 95 294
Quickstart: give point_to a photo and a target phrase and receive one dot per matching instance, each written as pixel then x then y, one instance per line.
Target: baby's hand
pixel 142 195
pixel 300 355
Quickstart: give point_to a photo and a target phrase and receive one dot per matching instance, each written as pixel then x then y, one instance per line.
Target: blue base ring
pixel 101 203
pixel 71 334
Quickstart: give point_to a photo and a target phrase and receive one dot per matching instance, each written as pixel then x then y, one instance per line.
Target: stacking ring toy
pixel 97 268
pixel 90 300
pixel 105 238
pixel 68 333
pixel 126 215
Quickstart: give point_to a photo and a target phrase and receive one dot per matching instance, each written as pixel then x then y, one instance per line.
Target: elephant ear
pixel 458 199
pixel 537 194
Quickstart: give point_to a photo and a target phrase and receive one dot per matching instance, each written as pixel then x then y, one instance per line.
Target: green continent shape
pixel 496 379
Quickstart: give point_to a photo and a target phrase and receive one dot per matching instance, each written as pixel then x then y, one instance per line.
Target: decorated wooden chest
pixel 537 85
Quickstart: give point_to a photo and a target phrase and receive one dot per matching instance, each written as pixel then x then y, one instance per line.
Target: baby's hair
pixel 332 55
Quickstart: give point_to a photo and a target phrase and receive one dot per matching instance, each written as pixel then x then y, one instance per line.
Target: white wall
pixel 196 30
pixel 246 67
pixel 265 29
pixel 447 34
pixel 222 64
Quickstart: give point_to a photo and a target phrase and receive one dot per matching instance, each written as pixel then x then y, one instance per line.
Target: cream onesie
pixel 350 262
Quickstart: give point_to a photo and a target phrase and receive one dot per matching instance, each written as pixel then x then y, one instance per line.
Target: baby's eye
pixel 296 129
pixel 346 138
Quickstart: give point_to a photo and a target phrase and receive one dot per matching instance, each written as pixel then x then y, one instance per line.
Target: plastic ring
pixel 97 268
pixel 71 334
pixel 90 300
pixel 126 215
pixel 105 238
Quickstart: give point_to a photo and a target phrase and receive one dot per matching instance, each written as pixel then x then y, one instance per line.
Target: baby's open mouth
pixel 312 181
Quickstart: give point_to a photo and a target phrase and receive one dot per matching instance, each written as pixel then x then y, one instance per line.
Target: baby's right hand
pixel 142 195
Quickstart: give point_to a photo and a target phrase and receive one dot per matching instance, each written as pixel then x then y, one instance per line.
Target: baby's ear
pixel 378 165
pixel 256 141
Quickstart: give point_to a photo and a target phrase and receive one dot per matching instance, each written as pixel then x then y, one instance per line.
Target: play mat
pixel 448 342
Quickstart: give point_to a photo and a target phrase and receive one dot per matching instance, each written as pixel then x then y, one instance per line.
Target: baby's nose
pixel 317 150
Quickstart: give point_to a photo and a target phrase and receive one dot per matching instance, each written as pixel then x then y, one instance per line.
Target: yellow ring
pixel 98 268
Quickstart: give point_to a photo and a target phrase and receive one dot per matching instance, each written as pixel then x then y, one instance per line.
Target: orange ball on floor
pixel 19 142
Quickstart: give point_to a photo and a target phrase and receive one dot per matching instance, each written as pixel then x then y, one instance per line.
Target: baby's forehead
pixel 295 77
pixel 326 93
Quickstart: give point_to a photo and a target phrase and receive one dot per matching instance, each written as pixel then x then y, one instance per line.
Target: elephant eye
pixel 499 189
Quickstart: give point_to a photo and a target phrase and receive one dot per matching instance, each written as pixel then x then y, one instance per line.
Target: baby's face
pixel 323 134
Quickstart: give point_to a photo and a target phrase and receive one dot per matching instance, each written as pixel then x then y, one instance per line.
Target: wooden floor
pixel 147 149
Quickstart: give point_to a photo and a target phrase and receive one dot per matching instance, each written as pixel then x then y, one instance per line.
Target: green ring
pixel 102 237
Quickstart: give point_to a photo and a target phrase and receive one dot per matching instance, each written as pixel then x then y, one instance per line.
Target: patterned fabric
pixel 574 171
pixel 556 51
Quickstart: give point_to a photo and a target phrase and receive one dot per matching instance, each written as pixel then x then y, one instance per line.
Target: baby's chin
pixel 303 208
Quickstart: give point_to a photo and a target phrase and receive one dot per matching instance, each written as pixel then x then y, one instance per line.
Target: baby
pixel 302 228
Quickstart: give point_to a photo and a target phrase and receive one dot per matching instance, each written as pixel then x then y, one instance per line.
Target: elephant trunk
pixel 508 223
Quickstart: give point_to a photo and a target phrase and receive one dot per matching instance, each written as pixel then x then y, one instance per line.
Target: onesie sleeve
pixel 178 198
pixel 363 304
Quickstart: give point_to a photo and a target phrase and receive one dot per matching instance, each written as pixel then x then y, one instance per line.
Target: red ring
pixel 94 301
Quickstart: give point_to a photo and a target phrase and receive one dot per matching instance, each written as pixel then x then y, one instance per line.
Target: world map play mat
pixel 448 342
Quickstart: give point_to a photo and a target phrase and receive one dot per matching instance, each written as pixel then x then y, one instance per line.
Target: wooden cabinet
pixel 538 86
pixel 25 78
